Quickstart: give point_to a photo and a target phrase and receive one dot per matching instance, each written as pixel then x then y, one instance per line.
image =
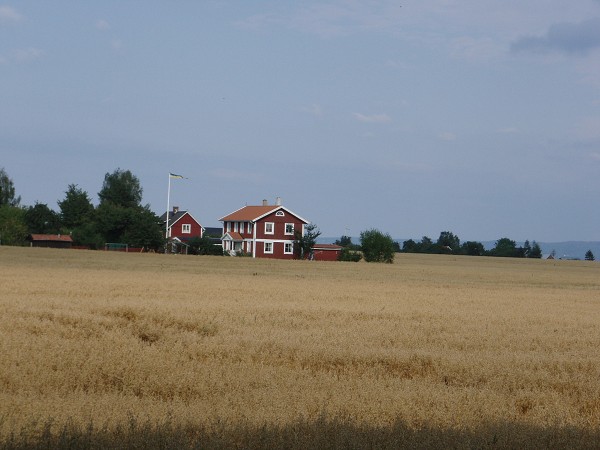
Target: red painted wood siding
pixel 177 228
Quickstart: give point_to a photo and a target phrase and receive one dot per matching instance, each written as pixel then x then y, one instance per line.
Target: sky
pixel 479 117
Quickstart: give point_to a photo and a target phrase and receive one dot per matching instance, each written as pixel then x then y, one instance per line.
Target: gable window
pixel 289 248
pixel 289 228
pixel 280 214
pixel 269 228
pixel 268 247
pixel 186 228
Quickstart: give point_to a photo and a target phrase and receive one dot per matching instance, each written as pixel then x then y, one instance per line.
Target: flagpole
pixel 168 207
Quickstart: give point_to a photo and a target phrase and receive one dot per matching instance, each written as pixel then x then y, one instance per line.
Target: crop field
pixel 115 350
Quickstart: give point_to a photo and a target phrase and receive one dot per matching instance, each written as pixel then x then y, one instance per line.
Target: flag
pixel 172 175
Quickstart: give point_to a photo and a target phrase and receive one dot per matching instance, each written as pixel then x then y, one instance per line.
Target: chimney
pixel 175 209
pixel 278 201
pixel 265 203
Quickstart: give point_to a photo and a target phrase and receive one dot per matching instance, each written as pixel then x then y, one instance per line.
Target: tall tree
pixel 448 242
pixel 13 229
pixel 377 246
pixel 535 251
pixel 7 190
pixel 76 208
pixel 121 188
pixel 303 243
pixel 504 247
pixel 589 256
pixel 41 219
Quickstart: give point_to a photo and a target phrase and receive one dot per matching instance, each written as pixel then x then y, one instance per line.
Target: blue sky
pixel 478 117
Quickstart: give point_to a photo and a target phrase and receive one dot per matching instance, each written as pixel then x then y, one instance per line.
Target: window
pixel 268 247
pixel 269 228
pixel 228 226
pixel 186 228
pixel 249 227
pixel 289 248
pixel 235 226
pixel 280 214
pixel 289 228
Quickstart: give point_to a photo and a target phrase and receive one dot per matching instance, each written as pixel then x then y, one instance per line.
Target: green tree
pixel 303 243
pixel 41 219
pixel 589 256
pixel 472 248
pixel 7 190
pixel 121 188
pixel 410 246
pixel 448 242
pixel 13 229
pixel 377 246
pixel 136 226
pixel 204 246
pixel 505 247
pixel 535 251
pixel 76 208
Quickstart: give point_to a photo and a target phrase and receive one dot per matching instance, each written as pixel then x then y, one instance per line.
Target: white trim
pixel 291 244
pixel 265 247
pixel 186 228
pixel 272 228
pixel 285 231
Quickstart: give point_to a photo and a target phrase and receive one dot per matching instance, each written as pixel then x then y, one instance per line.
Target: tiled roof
pixel 234 236
pixel 51 237
pixel 248 213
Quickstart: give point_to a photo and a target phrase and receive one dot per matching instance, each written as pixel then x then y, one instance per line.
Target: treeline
pixel 449 243
pixel 119 216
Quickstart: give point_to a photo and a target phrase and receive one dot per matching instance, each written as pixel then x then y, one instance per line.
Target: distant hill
pixel 563 250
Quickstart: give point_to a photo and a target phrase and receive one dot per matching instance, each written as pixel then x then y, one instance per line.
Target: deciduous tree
pixel 377 246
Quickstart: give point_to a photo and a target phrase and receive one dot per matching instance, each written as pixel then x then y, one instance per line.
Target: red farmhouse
pixel 182 225
pixel 265 231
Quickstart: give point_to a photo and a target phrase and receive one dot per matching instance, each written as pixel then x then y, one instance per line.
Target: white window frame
pixel 228 226
pixel 291 248
pixel 235 227
pixel 286 229
pixel 249 227
pixel 280 214
pixel 186 228
pixel 272 226
pixel 270 245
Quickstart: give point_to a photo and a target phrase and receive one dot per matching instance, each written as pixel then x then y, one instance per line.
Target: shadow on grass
pixel 322 433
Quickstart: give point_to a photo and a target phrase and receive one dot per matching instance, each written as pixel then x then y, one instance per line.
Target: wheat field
pixel 103 349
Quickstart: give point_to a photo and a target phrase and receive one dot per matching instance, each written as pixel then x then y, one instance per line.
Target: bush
pixel 349 255
pixel 377 246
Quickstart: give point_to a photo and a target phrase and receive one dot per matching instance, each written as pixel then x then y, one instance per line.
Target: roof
pixel 327 247
pixel 254 213
pixel 233 235
pixel 51 237
pixel 213 231
pixel 174 217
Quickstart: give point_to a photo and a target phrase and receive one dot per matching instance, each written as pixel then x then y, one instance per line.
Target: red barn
pixel 326 252
pixel 264 231
pixel 50 240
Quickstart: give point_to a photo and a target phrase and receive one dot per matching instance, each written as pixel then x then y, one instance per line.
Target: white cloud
pixel 447 136
pixel 24 55
pixel 102 25
pixel 314 109
pixel 8 14
pixel 374 118
pixel 588 128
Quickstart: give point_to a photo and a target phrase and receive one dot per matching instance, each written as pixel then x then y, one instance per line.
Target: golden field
pixel 103 349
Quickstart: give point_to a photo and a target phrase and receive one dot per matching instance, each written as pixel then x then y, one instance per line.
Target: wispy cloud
pixel 447 136
pixel 24 55
pixel 8 14
pixel 569 38
pixel 102 25
pixel 374 118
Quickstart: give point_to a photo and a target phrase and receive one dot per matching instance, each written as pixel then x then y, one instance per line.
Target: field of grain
pixel 101 349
